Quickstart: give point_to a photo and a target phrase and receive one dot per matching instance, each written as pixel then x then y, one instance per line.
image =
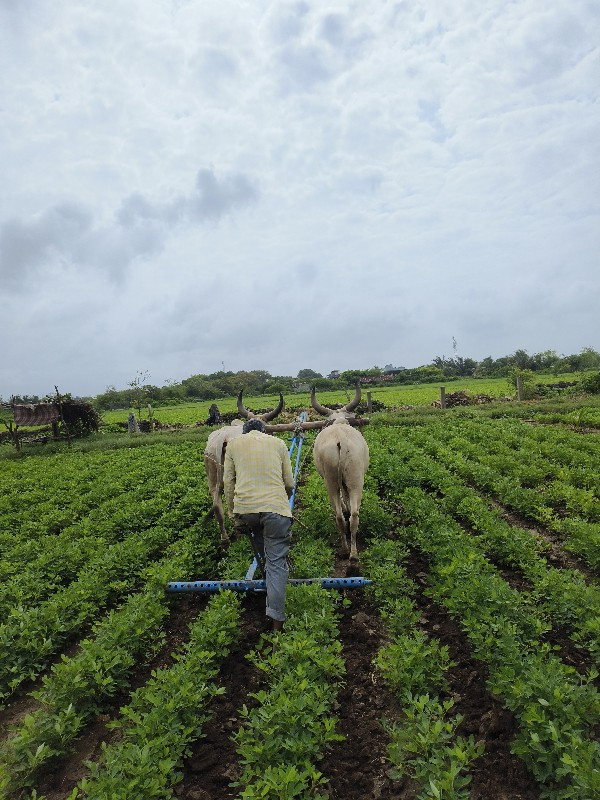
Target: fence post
pixel 369 403
pixel 442 397
pixel 519 387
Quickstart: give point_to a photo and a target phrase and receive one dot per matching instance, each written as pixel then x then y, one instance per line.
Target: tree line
pixel 141 391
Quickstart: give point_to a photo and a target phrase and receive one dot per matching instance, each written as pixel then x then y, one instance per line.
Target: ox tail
pixel 341 479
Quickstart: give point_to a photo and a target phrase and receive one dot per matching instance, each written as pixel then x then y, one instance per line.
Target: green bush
pixel 591 383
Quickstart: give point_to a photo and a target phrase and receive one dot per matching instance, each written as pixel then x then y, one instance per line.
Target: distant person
pixel 258 483
pixel 214 416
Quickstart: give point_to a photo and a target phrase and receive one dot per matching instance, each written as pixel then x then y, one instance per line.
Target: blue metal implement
pixel 253 586
pixel 250 585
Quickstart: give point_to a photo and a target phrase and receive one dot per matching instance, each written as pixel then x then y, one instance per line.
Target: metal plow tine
pixel 259 586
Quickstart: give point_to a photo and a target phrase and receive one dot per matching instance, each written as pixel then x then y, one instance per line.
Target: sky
pixel 192 186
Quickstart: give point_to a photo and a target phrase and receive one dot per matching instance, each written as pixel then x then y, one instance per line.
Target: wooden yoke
pixel 310 426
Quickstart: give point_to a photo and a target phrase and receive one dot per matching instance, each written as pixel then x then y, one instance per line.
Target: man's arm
pixel 229 480
pixel 286 470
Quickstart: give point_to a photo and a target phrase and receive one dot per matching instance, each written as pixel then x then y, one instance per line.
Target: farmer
pixel 258 482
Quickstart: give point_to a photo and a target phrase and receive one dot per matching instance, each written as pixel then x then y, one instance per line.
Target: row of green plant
pixel 561 596
pixel 62 558
pixel 582 537
pixel 42 496
pixel 81 686
pixel 566 471
pixel 285 734
pixel 556 708
pixel 424 744
pixel 577 412
pixel 430 751
pixel 30 636
pixel 45 496
pixel 34 569
pixel 166 714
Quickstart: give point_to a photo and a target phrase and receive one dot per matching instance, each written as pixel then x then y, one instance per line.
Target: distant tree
pixel 284 382
pixel 527 377
pixel 485 367
pixel 457 366
pixel 308 375
pixel 543 361
pixel 138 393
pixel 521 359
pixel 275 388
pixel 587 359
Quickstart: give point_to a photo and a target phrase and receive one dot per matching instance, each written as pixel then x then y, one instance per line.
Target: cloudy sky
pixel 280 185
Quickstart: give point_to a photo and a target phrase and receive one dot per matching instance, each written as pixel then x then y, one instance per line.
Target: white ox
pixel 341 457
pixel 214 458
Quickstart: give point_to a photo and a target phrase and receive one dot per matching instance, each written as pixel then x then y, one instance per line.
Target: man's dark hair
pixel 254 425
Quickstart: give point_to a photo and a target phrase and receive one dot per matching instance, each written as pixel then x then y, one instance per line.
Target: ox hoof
pixel 225 542
pixel 353 569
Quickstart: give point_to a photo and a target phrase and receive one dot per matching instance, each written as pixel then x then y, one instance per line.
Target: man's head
pixel 254 424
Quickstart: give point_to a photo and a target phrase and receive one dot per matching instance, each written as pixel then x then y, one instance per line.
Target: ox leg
pixel 340 519
pixel 353 532
pixel 354 520
pixel 220 517
pixel 215 485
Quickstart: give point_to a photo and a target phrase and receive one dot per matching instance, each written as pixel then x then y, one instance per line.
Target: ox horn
pixel 276 411
pixel 353 403
pixel 243 411
pixel 323 410
pixel 265 417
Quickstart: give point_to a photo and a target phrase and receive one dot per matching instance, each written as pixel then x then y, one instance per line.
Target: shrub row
pixel 79 687
pixel 557 710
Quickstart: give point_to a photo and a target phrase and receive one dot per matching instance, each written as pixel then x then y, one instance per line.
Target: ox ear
pixel 275 412
pixel 353 403
pixel 243 411
pixel 323 410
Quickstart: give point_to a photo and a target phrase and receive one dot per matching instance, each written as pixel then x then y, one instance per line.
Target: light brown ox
pixel 341 457
pixel 214 457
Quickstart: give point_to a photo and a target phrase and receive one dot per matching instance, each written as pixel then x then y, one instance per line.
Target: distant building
pixel 335 373
pixel 390 369
pixel 300 387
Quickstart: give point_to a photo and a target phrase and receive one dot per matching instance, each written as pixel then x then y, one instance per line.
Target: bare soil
pixel 213 762
pixel 61 777
pixel 357 768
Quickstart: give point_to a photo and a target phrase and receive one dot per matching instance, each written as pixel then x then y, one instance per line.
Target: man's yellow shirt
pixel 256 475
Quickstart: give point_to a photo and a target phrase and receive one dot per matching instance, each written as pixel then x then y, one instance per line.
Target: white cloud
pixel 293 184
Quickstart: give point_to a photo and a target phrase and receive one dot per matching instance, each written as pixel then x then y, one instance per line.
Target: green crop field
pixel 391 396
pixel 468 669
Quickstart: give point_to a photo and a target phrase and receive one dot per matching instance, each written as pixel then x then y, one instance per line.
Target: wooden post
pixel 442 397
pixel 369 403
pixel 14 435
pixel 519 387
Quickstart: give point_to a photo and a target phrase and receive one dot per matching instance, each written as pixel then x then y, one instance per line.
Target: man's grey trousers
pixel 272 535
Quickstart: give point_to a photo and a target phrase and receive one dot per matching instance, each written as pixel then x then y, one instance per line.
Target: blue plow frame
pixel 250 585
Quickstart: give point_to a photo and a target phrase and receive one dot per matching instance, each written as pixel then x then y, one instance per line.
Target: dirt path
pixel 357 767
pixel 213 763
pixel 498 773
pixel 61 778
